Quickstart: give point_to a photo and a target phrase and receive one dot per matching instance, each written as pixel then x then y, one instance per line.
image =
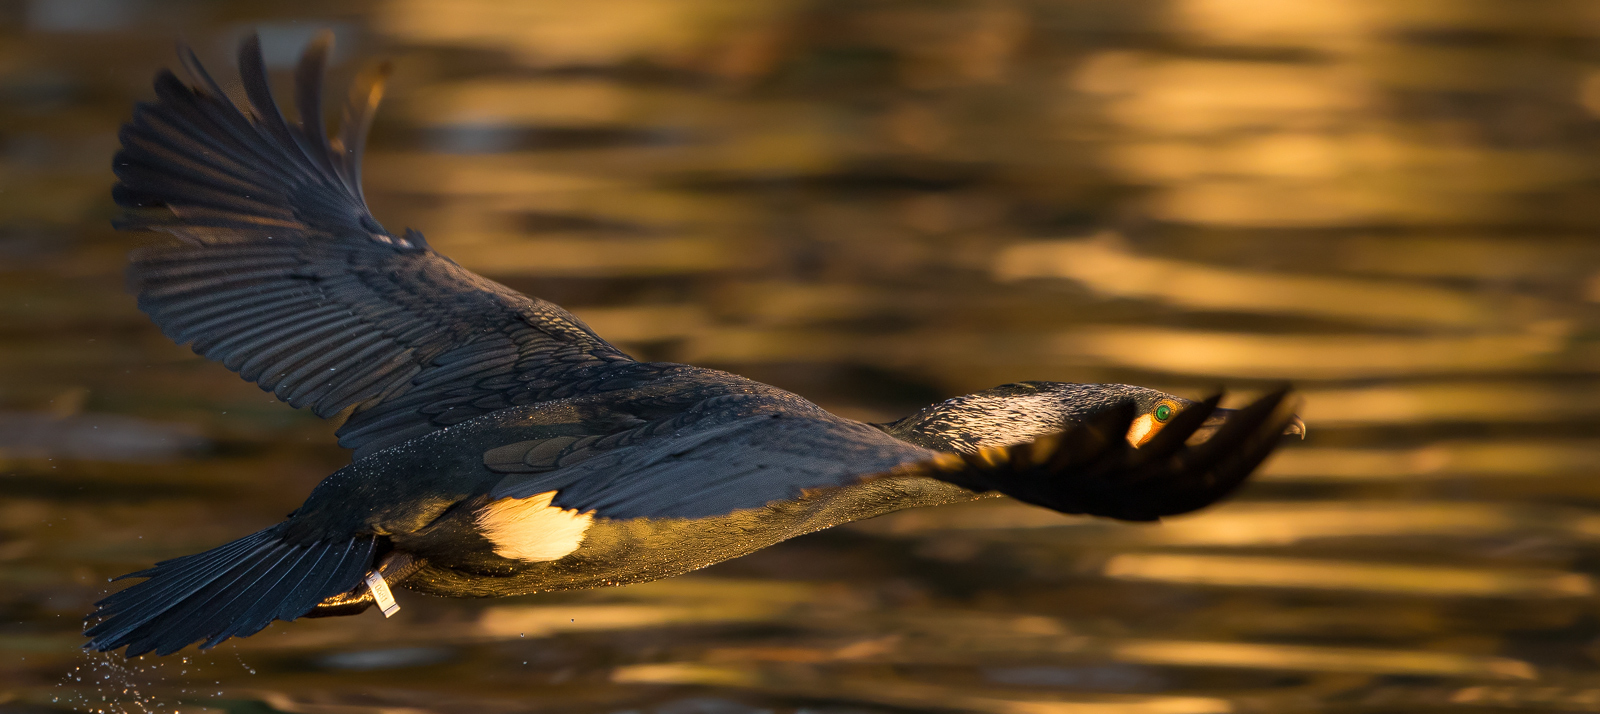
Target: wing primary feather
pixel 179 125
pixel 380 425
pixel 359 109
pixel 287 278
pixel 322 336
pixel 156 152
pixel 308 100
pixel 197 71
pixel 191 194
pixel 229 133
pixel 258 89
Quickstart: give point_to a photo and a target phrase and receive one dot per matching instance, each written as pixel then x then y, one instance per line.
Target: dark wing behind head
pixel 707 462
pixel 284 276
pixel 734 459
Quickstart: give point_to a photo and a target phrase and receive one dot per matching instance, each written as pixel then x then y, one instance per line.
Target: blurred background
pixel 879 204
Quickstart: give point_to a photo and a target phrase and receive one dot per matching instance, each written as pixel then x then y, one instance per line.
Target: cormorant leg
pixel 395 567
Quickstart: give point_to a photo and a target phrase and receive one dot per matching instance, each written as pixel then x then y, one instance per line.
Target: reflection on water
pixel 877 205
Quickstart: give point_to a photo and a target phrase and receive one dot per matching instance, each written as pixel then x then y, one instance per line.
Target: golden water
pixel 1395 206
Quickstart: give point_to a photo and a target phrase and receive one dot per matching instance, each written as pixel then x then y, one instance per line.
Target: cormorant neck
pixel 968 423
pixel 1010 414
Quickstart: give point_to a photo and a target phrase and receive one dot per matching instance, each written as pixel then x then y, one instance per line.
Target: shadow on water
pixel 1393 205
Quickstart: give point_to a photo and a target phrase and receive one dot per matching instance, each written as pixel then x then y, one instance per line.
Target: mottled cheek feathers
pixel 531 529
pixel 1149 424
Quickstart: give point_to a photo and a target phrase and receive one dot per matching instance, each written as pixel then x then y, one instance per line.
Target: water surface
pixel 878 205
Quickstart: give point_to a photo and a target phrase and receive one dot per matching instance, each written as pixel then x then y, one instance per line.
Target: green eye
pixel 1163 413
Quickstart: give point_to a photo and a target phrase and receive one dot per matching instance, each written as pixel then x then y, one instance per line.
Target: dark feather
pixel 262 603
pixel 289 280
pixel 359 109
pixel 724 454
pixel 741 451
pixel 258 89
pixel 308 99
pixel 230 591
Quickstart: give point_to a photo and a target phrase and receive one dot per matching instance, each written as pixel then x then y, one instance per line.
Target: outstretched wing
pixel 747 456
pixel 285 277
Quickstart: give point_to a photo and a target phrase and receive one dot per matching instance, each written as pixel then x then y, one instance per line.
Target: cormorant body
pixel 501 446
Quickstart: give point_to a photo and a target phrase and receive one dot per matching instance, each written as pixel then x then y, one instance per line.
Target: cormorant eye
pixel 1163 413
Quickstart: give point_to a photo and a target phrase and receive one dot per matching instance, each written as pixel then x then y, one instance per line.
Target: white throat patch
pixel 531 529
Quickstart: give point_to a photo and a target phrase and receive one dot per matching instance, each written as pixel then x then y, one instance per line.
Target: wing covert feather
pixel 714 466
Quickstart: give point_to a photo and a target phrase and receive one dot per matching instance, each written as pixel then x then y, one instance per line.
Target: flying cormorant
pixel 501 446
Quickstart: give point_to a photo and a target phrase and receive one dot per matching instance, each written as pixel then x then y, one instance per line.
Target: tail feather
pixel 267 602
pixel 185 562
pixel 181 578
pixel 170 586
pixel 196 617
pixel 325 572
pixel 330 578
pixel 234 590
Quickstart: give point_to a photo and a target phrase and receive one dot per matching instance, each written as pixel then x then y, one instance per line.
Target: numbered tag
pixel 381 594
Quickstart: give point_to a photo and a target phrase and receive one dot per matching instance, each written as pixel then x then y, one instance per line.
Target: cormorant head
pixel 1024 411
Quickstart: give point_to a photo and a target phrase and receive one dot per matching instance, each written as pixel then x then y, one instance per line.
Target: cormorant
pixel 501 446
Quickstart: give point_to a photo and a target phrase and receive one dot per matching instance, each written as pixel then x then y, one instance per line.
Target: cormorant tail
pixel 233 590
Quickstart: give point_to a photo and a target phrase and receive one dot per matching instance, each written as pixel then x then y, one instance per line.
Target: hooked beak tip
pixel 1297 426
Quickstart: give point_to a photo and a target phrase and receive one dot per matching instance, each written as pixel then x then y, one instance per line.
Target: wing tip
pixel 195 142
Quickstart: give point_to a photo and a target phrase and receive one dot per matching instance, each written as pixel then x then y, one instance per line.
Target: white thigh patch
pixel 532 529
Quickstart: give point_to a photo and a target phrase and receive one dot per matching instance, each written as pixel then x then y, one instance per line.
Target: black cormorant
pixel 501 446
